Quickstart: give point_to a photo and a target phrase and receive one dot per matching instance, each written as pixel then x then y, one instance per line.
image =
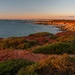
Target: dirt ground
pixel 21 54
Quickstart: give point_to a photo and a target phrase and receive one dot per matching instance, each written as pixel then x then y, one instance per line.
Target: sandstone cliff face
pixel 70 27
pixel 64 25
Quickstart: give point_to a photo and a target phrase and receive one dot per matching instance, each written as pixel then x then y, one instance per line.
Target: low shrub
pixel 66 38
pixel 60 65
pixel 16 43
pixel 10 67
pixel 43 34
pixel 56 48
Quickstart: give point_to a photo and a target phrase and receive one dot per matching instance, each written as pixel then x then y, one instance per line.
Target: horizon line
pixel 39 19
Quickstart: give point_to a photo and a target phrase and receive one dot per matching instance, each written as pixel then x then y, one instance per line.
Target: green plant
pixel 53 65
pixel 11 67
pixel 56 48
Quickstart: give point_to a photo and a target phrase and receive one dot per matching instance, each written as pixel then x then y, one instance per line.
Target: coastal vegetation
pixel 51 66
pixel 57 53
pixel 25 42
pixel 43 42
pixel 57 48
pixel 11 67
pixel 16 43
pixel 65 65
pixel 37 37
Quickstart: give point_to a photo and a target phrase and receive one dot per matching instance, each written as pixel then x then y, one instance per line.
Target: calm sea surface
pixel 19 28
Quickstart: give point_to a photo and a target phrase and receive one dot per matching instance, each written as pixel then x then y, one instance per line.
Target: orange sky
pixel 33 16
pixel 25 16
pixel 37 9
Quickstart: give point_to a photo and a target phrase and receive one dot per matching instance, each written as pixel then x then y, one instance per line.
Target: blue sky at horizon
pixel 36 9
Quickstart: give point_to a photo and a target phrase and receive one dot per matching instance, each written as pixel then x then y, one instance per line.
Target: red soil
pixel 65 33
pixel 41 39
pixel 21 54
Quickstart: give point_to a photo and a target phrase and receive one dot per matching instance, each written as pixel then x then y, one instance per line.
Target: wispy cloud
pixel 70 16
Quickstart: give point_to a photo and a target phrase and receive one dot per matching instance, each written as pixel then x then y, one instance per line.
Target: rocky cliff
pixel 68 25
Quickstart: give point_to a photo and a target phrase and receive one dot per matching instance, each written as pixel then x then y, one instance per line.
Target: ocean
pixel 17 28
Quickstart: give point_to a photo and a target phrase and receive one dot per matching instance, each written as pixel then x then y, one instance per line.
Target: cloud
pixel 70 16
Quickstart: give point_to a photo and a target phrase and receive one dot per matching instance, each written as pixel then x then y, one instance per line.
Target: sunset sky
pixel 37 9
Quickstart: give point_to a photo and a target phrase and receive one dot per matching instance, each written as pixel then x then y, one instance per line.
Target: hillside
pixel 37 54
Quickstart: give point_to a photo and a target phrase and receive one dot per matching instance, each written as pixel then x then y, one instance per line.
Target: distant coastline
pixel 68 25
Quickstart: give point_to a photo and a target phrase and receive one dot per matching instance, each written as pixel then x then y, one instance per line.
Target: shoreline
pixel 67 25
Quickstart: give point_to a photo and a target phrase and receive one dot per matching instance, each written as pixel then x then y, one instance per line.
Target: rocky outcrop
pixel 68 25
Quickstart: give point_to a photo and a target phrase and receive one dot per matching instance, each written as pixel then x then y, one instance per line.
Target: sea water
pixel 10 28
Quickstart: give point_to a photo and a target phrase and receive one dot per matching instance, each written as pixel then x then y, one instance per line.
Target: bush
pixel 11 43
pixel 11 67
pixel 62 65
pixel 66 38
pixel 27 45
pixel 41 34
pixel 56 48
pixel 29 70
pixel 65 65
pixel 16 43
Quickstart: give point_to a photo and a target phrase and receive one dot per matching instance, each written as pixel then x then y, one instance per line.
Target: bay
pixel 20 28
